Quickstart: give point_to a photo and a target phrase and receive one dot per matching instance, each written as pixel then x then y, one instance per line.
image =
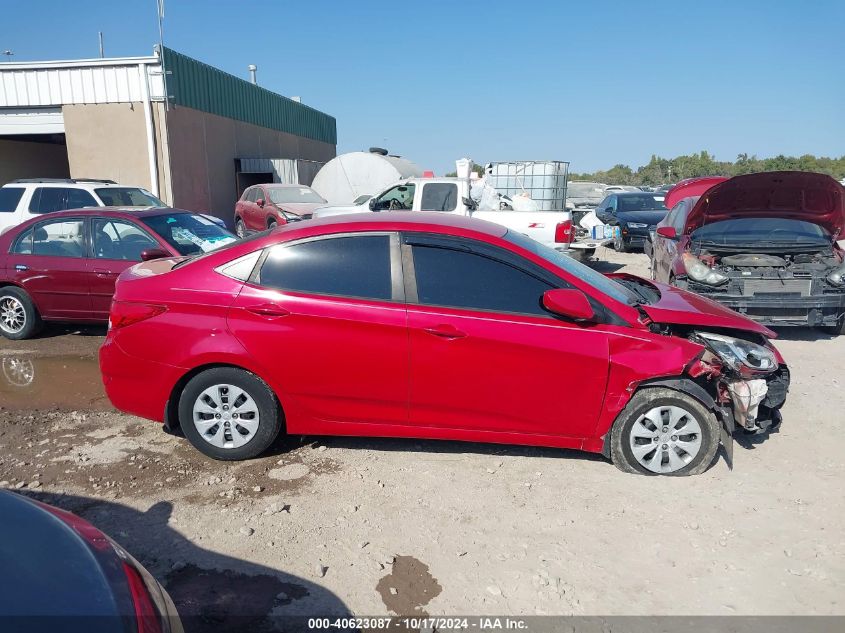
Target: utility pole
pixel 102 49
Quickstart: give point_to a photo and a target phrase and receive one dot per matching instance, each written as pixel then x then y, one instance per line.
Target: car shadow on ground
pixel 447 447
pixel 211 591
pixel 52 330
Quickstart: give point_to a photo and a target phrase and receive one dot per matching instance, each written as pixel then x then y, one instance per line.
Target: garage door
pixel 31 121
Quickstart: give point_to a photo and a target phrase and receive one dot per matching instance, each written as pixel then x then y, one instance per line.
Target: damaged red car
pixel 427 325
pixel 762 244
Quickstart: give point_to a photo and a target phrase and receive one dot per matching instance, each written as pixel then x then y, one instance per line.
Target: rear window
pixel 439 196
pixel 9 198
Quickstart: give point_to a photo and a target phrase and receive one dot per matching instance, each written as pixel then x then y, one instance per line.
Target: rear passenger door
pixel 49 262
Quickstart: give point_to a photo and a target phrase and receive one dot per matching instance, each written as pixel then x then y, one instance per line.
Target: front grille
pixel 753 287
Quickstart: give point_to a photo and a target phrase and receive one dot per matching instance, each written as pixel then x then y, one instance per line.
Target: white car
pixel 21 200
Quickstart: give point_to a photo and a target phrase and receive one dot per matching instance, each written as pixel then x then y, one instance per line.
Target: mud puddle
pixel 29 381
pixel 409 587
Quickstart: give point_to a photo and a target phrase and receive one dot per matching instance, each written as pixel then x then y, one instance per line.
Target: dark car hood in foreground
pixel 46 568
pixel 792 195
pixel 643 217
pixel 680 307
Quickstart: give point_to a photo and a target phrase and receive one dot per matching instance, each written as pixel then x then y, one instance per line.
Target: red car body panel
pixel 76 289
pixel 793 195
pixel 345 366
pixel 690 188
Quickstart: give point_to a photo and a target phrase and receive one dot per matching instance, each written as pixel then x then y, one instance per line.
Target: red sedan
pixel 63 266
pixel 431 326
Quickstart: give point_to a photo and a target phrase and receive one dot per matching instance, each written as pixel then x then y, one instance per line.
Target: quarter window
pixel 462 279
pixel 9 198
pixel 351 266
pixel 439 196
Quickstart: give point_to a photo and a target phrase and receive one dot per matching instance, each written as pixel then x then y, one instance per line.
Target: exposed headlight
pixel 637 225
pixel 744 357
pixel 837 277
pixel 701 272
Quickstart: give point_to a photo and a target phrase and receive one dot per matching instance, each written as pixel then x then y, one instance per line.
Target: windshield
pixel 280 195
pixel 189 233
pixel 128 197
pixel 762 232
pixel 644 202
pixel 604 284
pixel 589 190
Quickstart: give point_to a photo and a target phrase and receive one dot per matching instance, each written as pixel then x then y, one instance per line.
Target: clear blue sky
pixel 595 83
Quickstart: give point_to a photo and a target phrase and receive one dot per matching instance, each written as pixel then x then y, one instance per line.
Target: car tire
pixel 240 229
pixel 619 245
pixel 19 318
pixel 835 330
pixel 223 388
pixel 272 224
pixel 674 410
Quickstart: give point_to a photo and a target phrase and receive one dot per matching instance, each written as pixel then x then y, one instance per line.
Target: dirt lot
pixel 367 526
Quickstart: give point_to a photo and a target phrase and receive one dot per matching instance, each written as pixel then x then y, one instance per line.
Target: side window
pixel 400 197
pixel 118 239
pixel 461 279
pixel 258 194
pixel 611 204
pixel 353 266
pixel 439 196
pixel 679 216
pixel 49 199
pixel 9 198
pixel 59 238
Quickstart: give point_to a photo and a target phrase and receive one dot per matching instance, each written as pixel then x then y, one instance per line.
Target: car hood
pixel 792 195
pixel 690 188
pixel 643 217
pixel 300 208
pixel 681 307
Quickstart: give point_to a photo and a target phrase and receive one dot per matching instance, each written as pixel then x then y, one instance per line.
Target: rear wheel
pixel 664 432
pixel 19 318
pixel 229 414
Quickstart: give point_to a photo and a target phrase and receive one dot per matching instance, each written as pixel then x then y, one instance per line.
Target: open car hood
pixel 689 188
pixel 792 195
pixel 681 307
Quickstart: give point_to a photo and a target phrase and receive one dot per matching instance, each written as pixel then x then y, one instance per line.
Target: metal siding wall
pixel 196 85
pixel 61 86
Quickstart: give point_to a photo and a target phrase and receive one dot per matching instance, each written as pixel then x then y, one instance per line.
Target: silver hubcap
pixel 665 439
pixel 226 416
pixel 12 315
pixel 239 229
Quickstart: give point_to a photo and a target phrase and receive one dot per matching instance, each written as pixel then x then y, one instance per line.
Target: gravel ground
pixel 367 526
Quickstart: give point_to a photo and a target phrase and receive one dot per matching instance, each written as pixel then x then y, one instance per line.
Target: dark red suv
pixel 263 207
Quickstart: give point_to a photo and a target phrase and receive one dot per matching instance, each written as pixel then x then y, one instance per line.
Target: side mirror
pixel 668 232
pixel 572 304
pixel 260 202
pixel 153 253
pixel 372 204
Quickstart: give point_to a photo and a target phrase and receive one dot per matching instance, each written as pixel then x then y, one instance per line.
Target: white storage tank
pixel 544 181
pixel 348 176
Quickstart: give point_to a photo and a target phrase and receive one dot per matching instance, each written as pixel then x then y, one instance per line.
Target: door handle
pixel 268 310
pixel 445 331
pixel 102 272
pixel 21 267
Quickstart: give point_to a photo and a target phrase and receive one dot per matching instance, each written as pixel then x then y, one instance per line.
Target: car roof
pixel 624 194
pixel 281 185
pixel 403 220
pixel 136 212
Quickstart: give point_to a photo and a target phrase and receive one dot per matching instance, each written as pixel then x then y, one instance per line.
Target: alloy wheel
pixel 12 315
pixel 665 439
pixel 239 229
pixel 226 416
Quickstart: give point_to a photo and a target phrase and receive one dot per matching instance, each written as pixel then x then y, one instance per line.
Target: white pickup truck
pixel 452 195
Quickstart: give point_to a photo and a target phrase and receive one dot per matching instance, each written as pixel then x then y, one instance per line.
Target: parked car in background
pixel 21 200
pixel 431 325
pixel 453 196
pixel 583 197
pixel 63 266
pixel 59 570
pixel 263 207
pixel 620 188
pixel 763 244
pixel 635 214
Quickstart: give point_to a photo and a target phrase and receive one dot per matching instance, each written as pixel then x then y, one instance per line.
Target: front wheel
pixel 240 229
pixel 664 432
pixel 272 224
pixel 229 414
pixel 19 318
pixel 619 244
